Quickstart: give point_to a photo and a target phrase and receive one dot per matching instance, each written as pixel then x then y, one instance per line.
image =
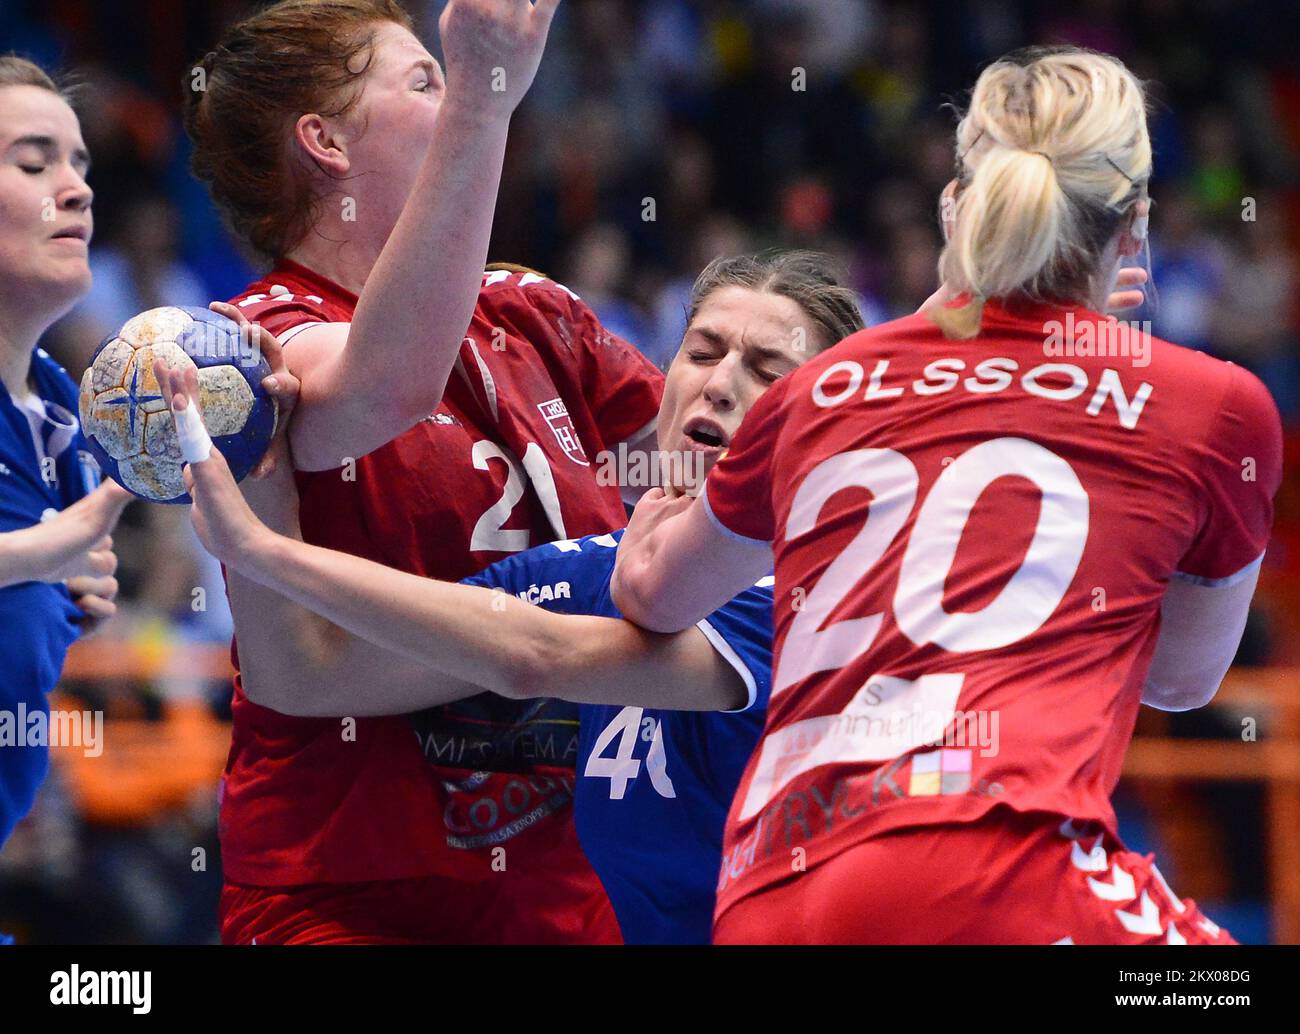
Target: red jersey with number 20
pixel 972 539
pixel 507 460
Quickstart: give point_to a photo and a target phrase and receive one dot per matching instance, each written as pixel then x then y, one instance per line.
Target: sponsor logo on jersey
pixel 805 816
pixel 498 737
pixel 556 415
pixel 545 593
pixel 940 772
pixel 502 808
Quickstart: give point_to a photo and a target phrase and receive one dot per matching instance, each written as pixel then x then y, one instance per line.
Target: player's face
pixel 45 218
pixel 393 121
pixel 739 344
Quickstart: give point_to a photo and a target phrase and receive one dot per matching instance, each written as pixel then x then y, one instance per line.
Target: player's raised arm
pixel 419 297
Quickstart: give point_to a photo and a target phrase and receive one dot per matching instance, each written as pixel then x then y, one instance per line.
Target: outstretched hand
pixel 75 543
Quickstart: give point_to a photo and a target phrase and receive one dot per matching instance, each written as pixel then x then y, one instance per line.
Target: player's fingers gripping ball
pixel 124 411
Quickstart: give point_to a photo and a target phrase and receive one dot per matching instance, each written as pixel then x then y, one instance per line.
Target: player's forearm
pixel 418 300
pixel 34 554
pixel 473 635
pixel 614 662
pixel 637 587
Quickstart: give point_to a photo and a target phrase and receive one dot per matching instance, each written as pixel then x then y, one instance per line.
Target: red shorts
pixel 1008 879
pixel 548 907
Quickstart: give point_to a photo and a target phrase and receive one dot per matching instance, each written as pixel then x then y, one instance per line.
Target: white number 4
pixel 622 768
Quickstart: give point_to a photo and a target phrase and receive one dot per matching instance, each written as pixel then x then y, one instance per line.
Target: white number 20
pixel 1023 605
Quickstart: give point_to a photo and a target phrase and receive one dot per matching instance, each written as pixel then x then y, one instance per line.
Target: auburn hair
pixel 243 100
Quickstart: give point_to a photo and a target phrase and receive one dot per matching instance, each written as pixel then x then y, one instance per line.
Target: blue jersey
pixel 653 787
pixel 38 622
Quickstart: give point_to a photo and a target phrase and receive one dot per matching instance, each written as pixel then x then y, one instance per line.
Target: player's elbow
pixel 409 399
pixel 1185 697
pixel 641 600
pixel 263 692
pixel 285 691
pixel 277 694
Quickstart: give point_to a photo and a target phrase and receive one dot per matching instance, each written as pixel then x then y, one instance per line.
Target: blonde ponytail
pixel 1009 219
pixel 1052 154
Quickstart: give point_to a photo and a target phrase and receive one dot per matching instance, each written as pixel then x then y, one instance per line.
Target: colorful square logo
pixel 940 772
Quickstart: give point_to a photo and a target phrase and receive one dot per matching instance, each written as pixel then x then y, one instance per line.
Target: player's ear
pixel 322 143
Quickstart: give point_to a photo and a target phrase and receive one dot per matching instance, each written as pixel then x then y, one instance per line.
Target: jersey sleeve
pixel 1240 471
pixel 738 491
pixel 282 316
pixel 625 388
pixel 741 632
pixel 622 387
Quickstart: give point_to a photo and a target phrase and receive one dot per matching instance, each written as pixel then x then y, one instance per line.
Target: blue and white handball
pixel 125 417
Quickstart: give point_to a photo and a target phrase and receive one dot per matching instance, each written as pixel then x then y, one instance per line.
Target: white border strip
pixel 731 657
pixel 649 428
pixel 286 336
pixel 717 523
pixel 1221 583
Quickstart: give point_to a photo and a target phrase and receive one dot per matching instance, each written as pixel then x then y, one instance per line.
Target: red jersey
pixel 506 461
pixel 972 539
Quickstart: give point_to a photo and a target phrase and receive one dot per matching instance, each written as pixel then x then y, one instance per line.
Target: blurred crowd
pixel 659 134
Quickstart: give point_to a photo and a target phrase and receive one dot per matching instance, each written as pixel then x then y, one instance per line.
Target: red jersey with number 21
pixel 972 539
pixel 506 461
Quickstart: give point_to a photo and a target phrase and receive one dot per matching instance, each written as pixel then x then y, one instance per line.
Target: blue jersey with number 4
pixel 654 786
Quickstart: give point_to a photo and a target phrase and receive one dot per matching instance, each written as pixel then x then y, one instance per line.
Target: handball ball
pixel 124 415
